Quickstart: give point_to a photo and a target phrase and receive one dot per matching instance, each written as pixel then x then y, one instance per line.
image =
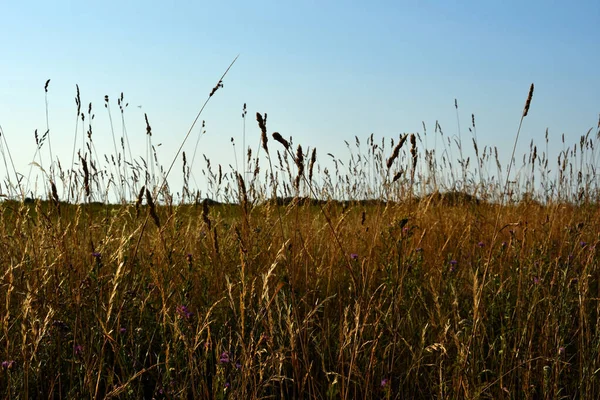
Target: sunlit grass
pixel 401 274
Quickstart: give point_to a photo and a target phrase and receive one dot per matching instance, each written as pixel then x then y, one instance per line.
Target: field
pixel 399 274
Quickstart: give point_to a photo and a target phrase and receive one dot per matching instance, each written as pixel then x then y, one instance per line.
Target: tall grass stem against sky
pixel 325 72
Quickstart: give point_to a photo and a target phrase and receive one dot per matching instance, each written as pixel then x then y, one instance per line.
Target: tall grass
pixel 391 275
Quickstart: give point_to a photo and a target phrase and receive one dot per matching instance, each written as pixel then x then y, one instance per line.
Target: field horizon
pixel 400 273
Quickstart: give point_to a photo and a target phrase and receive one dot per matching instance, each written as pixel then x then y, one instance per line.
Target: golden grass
pixel 358 282
pixel 141 318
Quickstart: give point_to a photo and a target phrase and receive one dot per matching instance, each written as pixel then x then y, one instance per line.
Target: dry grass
pixel 386 284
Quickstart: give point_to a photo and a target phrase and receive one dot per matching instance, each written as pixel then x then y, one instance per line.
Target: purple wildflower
pixel 385 382
pixel 561 351
pixel 78 350
pixel 224 359
pixel 96 255
pixel 122 330
pixel 583 244
pixel 536 280
pixel 184 312
pixel 8 364
pixel 354 256
pixel 227 385
pixel 238 365
pixel 453 264
pixel 481 244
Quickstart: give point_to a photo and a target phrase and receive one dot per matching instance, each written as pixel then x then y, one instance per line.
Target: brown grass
pixel 357 282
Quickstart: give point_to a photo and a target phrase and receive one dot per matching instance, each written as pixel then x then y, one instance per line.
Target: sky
pixel 324 71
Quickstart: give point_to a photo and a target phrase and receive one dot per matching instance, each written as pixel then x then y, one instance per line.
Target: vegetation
pixel 401 274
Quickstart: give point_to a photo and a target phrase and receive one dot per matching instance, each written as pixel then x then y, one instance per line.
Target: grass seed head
pixel 262 124
pixel 311 164
pixel 277 136
pixel 152 207
pixel 396 151
pixel 528 102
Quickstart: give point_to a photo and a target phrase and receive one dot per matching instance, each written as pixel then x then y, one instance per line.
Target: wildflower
pixel 453 264
pixel 122 331
pixel 561 351
pixel 419 249
pixel 354 256
pixel 227 385
pixel 536 280
pixel 184 312
pixel 583 244
pixel 481 244
pixel 224 359
pixel 238 365
pixel 78 350
pixel 385 382
pixel 8 364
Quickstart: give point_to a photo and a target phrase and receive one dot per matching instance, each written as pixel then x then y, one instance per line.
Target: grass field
pixel 400 274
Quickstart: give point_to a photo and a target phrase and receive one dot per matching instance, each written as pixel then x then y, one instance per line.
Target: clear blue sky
pixel 323 71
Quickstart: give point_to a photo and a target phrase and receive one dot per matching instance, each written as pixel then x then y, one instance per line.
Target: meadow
pixel 398 272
